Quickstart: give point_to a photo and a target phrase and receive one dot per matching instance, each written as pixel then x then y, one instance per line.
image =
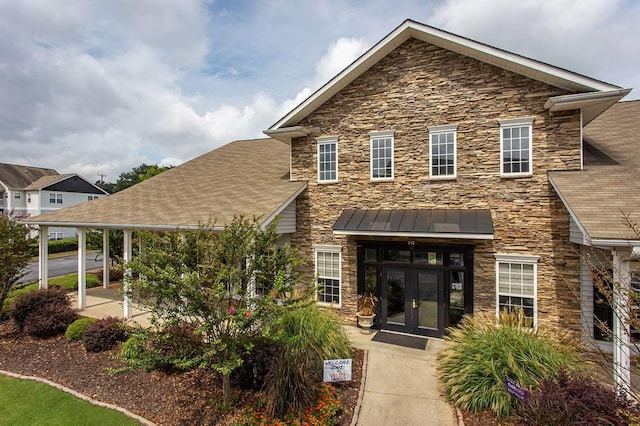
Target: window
pixel 92 197
pixel 17 195
pixel 53 236
pixel 442 152
pixel 515 147
pixel 55 198
pixel 328 267
pixel 28 198
pixel 516 284
pixel 327 159
pixel 381 155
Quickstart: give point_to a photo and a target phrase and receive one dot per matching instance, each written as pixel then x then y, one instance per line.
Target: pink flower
pixel 232 311
pixel 248 314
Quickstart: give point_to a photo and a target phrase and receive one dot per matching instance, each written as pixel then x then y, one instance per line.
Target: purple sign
pixel 515 389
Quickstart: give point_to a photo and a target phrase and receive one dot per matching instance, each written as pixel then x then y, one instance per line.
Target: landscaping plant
pixel 572 399
pixel 481 354
pixel 76 329
pixel 104 334
pixel 14 255
pixel 48 321
pixel 227 284
pixel 308 336
pixel 28 303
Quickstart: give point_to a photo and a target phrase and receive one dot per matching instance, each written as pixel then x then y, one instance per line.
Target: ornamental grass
pixel 481 354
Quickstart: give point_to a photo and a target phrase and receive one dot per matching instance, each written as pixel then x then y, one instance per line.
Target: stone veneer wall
pixel 420 85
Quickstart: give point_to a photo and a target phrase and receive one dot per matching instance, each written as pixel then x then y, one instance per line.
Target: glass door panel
pixel 428 287
pixel 396 284
pixel 456 297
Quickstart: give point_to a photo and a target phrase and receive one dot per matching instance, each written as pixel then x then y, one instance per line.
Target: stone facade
pixel 420 85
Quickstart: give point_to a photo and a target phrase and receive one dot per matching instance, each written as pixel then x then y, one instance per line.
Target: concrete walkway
pixel 401 386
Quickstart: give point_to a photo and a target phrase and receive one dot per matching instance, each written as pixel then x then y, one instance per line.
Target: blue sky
pixel 100 86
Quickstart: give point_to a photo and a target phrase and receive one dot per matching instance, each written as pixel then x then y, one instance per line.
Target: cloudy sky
pixel 99 86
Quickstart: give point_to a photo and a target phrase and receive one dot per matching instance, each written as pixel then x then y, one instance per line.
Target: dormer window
pixel 516 147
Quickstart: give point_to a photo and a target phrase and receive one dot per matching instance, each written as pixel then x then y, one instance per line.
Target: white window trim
pixel 382 135
pixel 517 122
pixel 327 141
pixel 328 249
pixel 435 130
pixel 517 258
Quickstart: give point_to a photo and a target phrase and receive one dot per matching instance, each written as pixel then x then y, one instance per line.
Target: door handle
pixel 414 305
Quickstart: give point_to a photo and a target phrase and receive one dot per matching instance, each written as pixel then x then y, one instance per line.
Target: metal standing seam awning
pixel 474 224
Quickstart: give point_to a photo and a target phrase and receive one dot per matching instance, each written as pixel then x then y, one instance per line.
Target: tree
pixel 136 175
pixel 14 255
pixel 228 285
pixel 116 243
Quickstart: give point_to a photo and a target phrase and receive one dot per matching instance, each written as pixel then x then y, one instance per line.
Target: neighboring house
pixel 443 175
pixel 30 191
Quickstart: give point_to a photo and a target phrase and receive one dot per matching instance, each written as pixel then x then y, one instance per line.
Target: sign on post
pixel 337 370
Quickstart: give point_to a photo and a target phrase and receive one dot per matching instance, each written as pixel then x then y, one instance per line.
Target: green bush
pixel 572 399
pixel 76 329
pixel 308 336
pixel 104 334
pixel 134 350
pixel 32 301
pixel 49 321
pixel 473 367
pixel 57 246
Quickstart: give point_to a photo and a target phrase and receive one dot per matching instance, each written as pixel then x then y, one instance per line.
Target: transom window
pixel 327 159
pixel 442 152
pixel 381 155
pixel 516 283
pixel 515 147
pixel 55 198
pixel 328 266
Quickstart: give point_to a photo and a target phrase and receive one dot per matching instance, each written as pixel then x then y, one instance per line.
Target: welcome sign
pixel 337 370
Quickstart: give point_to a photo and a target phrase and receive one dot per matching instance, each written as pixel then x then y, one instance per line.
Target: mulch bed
pixel 192 397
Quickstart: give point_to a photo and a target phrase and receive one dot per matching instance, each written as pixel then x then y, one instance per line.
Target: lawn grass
pixel 28 402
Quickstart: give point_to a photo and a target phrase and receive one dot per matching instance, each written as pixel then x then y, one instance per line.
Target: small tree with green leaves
pixel 227 284
pixel 14 255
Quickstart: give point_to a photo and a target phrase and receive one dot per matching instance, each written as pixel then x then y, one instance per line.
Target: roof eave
pixel 285 134
pixel 444 235
pixel 592 104
pixel 96 225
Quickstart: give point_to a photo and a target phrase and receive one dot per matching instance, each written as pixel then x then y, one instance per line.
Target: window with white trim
pixel 516 285
pixel 54 236
pixel 516 151
pixel 92 197
pixel 381 155
pixel 327 159
pixel 55 198
pixel 442 152
pixel 328 271
pixel 17 195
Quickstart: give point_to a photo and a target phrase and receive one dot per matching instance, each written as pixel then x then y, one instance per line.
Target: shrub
pixel 76 329
pixel 104 334
pixel 176 347
pixel 49 321
pixel 308 336
pixel 134 350
pixel 473 367
pixel 115 274
pixel 56 246
pixel 571 399
pixel 256 365
pixel 27 303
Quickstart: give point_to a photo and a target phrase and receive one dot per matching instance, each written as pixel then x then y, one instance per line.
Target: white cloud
pixel 339 55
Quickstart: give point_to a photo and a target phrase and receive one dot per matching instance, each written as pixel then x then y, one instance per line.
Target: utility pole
pixel 102 176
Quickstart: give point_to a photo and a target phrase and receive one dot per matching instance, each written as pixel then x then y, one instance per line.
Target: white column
pixel 106 263
pixel 43 257
pixel 127 271
pixel 621 311
pixel 82 268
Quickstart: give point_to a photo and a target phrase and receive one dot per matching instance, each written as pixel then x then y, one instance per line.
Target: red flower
pixel 232 311
pixel 248 314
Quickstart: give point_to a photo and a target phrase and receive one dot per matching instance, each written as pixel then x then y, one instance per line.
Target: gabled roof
pixel 18 177
pixel 45 181
pixel 609 185
pixel 607 94
pixel 248 178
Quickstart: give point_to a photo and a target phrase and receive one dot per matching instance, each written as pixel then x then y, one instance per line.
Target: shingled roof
pixel 248 178
pixel 609 185
pixel 15 176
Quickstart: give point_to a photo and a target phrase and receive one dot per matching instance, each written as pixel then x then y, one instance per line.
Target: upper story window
pixel 516 282
pixel 28 198
pixel 17 195
pixel 327 159
pixel 515 147
pixel 92 197
pixel 381 155
pixel 442 152
pixel 55 198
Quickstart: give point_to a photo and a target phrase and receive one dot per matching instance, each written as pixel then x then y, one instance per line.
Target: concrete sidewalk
pixel 401 386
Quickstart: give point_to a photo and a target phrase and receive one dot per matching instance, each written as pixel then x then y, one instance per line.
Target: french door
pixel 412 300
